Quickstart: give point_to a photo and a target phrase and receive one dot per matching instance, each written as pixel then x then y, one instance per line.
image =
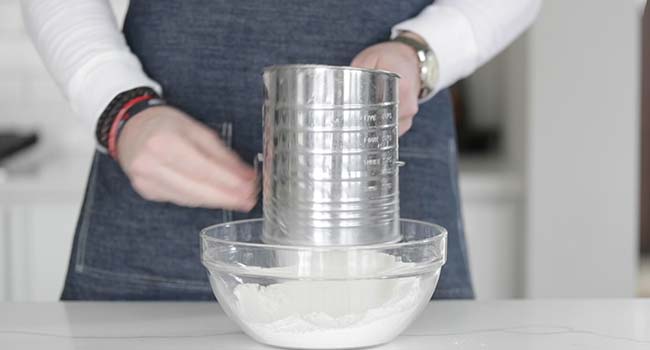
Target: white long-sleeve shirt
pixel 85 51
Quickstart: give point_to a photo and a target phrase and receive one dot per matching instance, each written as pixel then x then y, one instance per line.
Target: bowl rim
pixel 441 235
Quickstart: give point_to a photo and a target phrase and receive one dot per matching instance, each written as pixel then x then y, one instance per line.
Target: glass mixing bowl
pixel 322 297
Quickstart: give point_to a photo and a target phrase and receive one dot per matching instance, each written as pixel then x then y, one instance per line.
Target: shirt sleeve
pixel 465 34
pixel 85 51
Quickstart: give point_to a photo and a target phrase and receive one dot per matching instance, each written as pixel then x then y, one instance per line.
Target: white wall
pixel 493 188
pixel 29 98
pixel 41 196
pixel 4 259
pixel 582 183
pixel 568 97
pixel 492 209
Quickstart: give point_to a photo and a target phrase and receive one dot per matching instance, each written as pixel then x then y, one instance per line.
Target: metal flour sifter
pixel 330 167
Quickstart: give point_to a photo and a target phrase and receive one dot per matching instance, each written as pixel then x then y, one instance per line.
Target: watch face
pixel 430 71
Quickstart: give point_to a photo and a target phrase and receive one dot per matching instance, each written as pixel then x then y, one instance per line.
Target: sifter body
pixel 330 167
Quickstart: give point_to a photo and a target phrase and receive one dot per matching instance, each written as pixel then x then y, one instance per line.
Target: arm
pixel 167 155
pixel 85 52
pixel 463 34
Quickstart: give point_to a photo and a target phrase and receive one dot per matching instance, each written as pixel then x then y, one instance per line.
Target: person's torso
pixel 208 55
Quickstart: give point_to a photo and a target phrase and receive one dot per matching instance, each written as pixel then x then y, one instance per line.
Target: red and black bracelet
pixel 129 109
pixel 119 110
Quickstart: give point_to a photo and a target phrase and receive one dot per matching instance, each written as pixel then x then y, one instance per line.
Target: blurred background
pixel 550 134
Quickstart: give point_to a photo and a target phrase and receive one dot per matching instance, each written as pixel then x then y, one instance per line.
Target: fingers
pixel 408 94
pixel 404 125
pixel 169 185
pixel 189 192
pixel 186 176
pixel 216 168
pixel 171 158
pixel 386 56
pixel 408 106
pixel 214 149
pixel 365 59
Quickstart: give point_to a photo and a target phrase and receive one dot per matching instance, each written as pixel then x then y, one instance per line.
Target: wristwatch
pixel 428 66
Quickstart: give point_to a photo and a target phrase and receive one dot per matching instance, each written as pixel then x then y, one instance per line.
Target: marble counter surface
pixel 539 324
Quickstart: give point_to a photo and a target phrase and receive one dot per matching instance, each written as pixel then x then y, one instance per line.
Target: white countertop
pixel 540 324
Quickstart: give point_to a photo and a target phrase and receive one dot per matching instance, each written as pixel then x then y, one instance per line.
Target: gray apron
pixel 208 56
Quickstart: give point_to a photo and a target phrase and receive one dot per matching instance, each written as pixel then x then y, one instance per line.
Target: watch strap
pixel 424 53
pixel 420 48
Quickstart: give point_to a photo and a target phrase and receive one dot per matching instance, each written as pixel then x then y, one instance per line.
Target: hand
pixel 170 157
pixel 401 59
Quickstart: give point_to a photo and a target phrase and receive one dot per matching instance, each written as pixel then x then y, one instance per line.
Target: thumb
pixel 364 60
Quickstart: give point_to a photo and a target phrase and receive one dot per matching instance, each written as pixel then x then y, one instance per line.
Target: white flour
pixel 332 314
